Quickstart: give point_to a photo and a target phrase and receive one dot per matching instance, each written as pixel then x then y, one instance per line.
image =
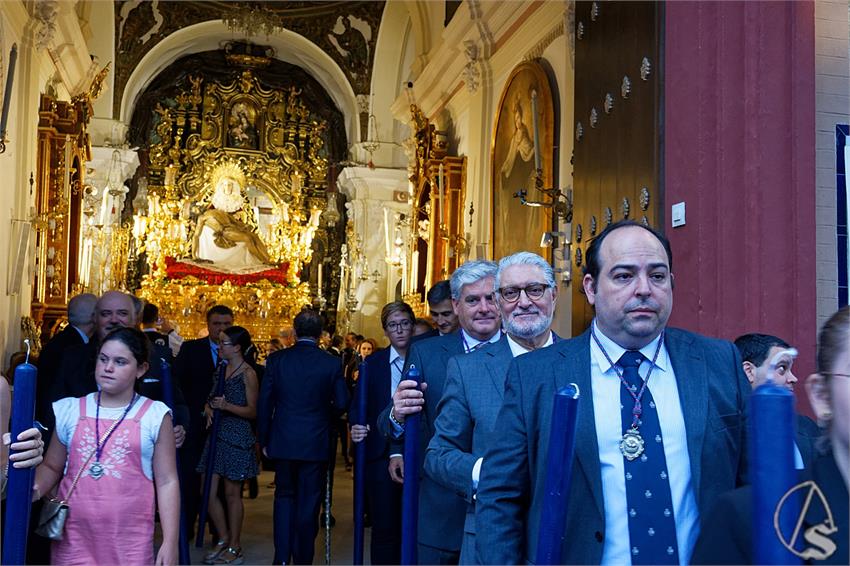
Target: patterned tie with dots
pixel 652 525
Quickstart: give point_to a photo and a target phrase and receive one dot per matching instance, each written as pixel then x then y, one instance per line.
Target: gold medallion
pixel 632 444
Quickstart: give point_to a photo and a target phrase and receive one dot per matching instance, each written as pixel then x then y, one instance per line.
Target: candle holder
pixel 560 200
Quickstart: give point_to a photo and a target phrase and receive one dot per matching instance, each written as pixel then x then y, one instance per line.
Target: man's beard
pixel 528 330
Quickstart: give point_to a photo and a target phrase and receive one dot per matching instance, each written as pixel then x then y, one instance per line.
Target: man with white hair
pixel 78 332
pixel 442 510
pixel 526 293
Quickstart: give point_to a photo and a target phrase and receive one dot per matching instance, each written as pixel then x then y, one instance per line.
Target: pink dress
pixel 111 519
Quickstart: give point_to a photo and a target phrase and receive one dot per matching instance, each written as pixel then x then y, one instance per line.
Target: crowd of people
pixel 661 436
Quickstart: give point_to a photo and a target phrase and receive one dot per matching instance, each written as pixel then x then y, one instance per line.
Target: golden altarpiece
pixel 437 244
pixel 229 216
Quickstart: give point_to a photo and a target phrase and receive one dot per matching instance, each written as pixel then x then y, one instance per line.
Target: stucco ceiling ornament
pixel 45 12
pixel 471 73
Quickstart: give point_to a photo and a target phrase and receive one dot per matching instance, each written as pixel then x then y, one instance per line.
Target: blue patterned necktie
pixel 652 524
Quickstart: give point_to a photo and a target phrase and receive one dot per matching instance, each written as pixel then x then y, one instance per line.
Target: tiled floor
pixel 257 543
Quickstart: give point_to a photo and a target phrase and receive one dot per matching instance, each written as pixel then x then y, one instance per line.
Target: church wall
pixel 739 127
pixel 51 51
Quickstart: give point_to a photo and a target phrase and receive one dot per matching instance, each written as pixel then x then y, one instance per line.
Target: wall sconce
pixel 549 237
pixel 561 201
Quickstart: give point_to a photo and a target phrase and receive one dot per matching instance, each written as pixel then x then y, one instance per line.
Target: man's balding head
pixel 114 310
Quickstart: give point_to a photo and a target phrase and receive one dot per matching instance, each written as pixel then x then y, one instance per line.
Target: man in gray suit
pixel 526 293
pixel 441 511
pixel 660 429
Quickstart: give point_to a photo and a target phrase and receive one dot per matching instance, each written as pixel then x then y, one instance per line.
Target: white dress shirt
pixel 605 387
pixel 82 334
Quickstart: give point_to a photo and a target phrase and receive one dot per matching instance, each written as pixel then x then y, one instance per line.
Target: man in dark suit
pixel 193 369
pixel 303 393
pixel 384 370
pixel 757 352
pixel 441 510
pixel 527 293
pixel 439 299
pixel 79 330
pixel 660 430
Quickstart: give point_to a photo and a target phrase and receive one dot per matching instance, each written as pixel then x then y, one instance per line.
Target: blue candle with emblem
pixel 772 471
pixel 19 486
pixel 360 466
pixel 410 491
pixel 559 468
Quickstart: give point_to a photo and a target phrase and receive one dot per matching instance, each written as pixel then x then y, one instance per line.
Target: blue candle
pixel 771 471
pixel 360 466
pixel 410 490
pixel 19 486
pixel 168 398
pixel 559 469
pixel 213 440
pixel 7 95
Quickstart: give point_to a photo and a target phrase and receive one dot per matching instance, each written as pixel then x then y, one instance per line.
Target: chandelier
pixel 251 20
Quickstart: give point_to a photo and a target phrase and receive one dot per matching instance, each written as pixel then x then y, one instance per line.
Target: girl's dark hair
pixel 242 338
pixel 134 339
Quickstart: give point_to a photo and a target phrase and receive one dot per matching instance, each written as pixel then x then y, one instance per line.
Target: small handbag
pixel 54 512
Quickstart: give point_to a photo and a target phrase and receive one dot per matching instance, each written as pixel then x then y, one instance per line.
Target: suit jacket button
pixel 598 536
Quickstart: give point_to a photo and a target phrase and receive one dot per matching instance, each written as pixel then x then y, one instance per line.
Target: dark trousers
pixel 384 498
pixel 190 484
pixel 298 493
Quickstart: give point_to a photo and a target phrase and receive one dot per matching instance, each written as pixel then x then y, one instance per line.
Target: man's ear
pixel 589 286
pixel 750 372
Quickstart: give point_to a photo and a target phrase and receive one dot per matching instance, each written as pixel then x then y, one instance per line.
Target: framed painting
pixel 517 226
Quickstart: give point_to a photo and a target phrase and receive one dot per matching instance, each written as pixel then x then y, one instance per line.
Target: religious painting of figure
pixel 517 227
pixel 242 127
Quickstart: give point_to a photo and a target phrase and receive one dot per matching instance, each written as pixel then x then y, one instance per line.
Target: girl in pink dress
pixel 124 443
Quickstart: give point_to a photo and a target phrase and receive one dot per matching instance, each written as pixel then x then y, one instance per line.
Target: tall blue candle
pixel 7 94
pixel 360 466
pixel 771 471
pixel 168 397
pixel 410 491
pixel 211 448
pixel 559 469
pixel 19 486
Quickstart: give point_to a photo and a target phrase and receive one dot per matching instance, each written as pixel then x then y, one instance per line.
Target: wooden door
pixel 618 116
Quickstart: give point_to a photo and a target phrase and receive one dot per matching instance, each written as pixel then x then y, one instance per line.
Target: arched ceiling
pixel 332 41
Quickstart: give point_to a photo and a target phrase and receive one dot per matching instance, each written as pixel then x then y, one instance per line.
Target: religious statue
pixel 220 237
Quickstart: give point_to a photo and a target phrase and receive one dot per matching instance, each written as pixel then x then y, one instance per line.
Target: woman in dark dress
pixel 235 457
pixel 823 538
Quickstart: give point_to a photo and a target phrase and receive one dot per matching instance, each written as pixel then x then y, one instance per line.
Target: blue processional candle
pixel 772 471
pixel 360 467
pixel 559 469
pixel 211 448
pixel 7 94
pixel 168 398
pixel 410 491
pixel 19 486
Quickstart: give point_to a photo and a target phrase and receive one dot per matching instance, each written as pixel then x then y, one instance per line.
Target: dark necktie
pixel 652 525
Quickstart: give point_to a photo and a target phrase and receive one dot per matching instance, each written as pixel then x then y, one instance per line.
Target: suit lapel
pixel 692 381
pixel 576 369
pixel 497 359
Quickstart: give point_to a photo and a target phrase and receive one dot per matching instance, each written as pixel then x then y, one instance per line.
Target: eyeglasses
pixel 533 291
pixel 831 374
pixel 394 326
